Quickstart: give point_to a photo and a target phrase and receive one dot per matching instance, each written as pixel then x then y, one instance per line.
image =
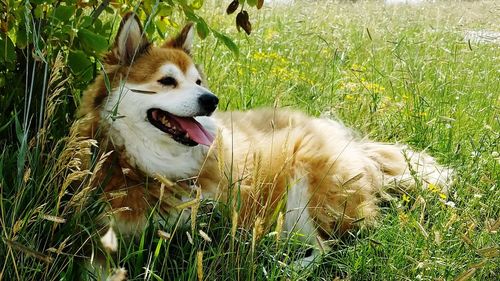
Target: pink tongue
pixel 195 130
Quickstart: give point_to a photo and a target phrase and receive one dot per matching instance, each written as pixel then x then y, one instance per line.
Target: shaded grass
pixel 400 74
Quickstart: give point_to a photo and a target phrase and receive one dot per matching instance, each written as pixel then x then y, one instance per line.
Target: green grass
pixel 394 73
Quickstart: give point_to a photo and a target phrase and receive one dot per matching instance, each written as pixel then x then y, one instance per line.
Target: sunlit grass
pixel 394 73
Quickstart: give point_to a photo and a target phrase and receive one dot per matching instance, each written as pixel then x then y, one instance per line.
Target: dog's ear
pixel 184 40
pixel 130 41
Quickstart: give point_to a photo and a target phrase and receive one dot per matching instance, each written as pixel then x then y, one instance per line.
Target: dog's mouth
pixel 184 130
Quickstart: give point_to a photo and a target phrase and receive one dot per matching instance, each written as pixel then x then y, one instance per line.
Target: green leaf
pixel 147 6
pixel 86 21
pixel 109 10
pixel 38 12
pixel 107 29
pixel 98 26
pixel 80 64
pixel 252 3
pixel 164 10
pixel 161 26
pixel 190 15
pixel 79 12
pixel 202 28
pixel 64 13
pixel 91 42
pixel 196 4
pixel 38 2
pixel 228 42
pixel 21 34
pixel 150 29
pixel 7 49
pixel 78 61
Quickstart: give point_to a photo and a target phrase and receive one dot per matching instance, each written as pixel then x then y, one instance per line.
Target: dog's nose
pixel 208 102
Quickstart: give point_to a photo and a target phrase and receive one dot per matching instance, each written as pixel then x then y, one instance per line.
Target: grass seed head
pixel 199 265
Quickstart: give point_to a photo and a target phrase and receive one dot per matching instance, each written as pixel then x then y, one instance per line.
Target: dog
pixel 154 117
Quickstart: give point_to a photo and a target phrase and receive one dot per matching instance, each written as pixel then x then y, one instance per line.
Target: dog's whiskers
pixel 142 91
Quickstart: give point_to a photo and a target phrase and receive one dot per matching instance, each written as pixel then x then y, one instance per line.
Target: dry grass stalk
pixel 55 219
pixel 220 153
pixel 72 167
pixel 61 247
pixel 81 196
pixel 28 251
pixel 199 265
pixel 26 175
pixel 194 210
pixel 257 232
pixel 190 239
pixel 173 187
pixel 190 203
pixel 234 223
pixel 55 87
pixel 466 275
pixel 164 235
pixel 279 226
pixel 205 236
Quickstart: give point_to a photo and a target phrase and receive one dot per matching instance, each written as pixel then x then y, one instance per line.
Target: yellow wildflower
pixel 270 34
pixel 357 67
pixel 374 87
pixel 403 217
pixel 433 188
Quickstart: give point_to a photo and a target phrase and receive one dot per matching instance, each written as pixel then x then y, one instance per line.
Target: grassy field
pixel 394 73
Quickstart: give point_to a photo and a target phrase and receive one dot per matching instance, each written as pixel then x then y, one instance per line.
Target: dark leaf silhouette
pixel 232 7
pixel 243 21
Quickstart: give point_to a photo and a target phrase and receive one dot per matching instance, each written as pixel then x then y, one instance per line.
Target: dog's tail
pixel 403 168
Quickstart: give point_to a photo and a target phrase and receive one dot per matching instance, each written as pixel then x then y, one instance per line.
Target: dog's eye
pixel 168 81
pixel 198 82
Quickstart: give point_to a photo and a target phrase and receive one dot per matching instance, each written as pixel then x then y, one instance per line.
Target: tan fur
pixel 343 183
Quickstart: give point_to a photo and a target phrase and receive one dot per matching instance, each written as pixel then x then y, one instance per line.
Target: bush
pixel 49 52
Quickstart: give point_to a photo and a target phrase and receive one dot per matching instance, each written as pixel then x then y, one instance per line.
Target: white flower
pixel 450 204
pixel 474 154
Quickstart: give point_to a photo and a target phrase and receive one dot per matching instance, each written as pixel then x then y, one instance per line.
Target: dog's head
pixel 151 102
pixel 161 88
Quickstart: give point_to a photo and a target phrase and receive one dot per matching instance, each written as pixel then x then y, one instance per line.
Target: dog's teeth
pixel 165 121
pixel 186 135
